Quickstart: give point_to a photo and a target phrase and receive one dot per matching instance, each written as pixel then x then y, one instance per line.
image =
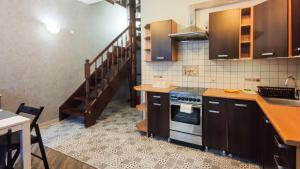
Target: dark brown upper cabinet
pixel 158 45
pixel 271 29
pixel 295 13
pixel 224 34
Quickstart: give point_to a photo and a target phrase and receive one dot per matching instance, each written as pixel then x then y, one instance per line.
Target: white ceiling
pixel 90 1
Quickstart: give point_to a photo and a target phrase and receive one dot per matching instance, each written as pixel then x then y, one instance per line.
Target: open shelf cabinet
pixel 246 33
pixel 142 126
pixel 147 43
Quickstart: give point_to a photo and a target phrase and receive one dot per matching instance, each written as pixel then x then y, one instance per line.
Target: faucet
pixel 295 83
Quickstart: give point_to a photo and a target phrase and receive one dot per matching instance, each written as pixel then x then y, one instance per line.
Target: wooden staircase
pixel 103 76
pixel 126 4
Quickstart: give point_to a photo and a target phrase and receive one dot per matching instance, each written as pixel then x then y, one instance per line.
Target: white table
pixel 18 123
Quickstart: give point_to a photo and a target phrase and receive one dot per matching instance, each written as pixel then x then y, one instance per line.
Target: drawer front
pixel 213 103
pixel 284 155
pixel 157 98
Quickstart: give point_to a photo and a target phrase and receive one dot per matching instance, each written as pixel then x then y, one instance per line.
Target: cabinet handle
pixel 214 111
pixel 211 102
pixel 268 54
pixel 223 56
pixel 160 58
pixel 279 143
pixel 267 121
pixel 278 162
pixel 157 97
pixel 240 105
pixel 156 104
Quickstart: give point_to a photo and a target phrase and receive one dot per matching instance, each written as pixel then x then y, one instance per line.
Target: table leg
pixel 25 146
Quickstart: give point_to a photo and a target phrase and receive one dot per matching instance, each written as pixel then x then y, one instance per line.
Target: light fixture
pixel 52 27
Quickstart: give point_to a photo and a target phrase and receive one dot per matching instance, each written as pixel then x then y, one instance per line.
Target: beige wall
pixel 212 74
pixel 40 68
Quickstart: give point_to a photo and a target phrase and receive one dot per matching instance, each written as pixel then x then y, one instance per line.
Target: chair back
pixel 36 112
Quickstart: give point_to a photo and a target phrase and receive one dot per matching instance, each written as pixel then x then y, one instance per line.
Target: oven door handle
pixel 194 105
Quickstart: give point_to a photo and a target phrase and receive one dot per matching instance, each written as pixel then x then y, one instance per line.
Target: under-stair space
pixel 103 77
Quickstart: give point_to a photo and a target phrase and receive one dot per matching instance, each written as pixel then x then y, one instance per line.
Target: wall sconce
pixel 52 28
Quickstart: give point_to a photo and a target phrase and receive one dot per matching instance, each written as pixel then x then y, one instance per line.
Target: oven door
pixel 186 122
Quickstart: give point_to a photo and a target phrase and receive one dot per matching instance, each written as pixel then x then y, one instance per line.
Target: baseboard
pixel 49 123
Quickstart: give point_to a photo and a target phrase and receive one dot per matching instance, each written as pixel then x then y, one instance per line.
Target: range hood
pixel 189 34
pixel 193 32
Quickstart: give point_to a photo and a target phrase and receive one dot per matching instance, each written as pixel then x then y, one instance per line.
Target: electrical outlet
pixel 252 79
pixel 158 76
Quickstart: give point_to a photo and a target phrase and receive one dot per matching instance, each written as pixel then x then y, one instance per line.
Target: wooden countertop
pixel 285 119
pixel 149 88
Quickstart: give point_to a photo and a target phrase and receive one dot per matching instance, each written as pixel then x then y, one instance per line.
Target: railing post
pixel 132 12
pixel 96 77
pixel 87 75
pixel 118 55
pixel 102 72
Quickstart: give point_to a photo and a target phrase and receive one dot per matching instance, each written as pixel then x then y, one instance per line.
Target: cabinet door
pixel 161 43
pixel 268 150
pixel 271 29
pixel 214 123
pixel 242 129
pixel 224 28
pixel 158 114
pixel 296 27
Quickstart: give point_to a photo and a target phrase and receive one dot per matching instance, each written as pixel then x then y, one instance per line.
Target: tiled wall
pixel 217 73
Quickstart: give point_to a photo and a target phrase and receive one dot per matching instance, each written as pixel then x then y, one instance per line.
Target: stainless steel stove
pixel 186 126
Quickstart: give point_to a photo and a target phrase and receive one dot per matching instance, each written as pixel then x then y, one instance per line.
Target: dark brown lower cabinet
pixel 158 114
pixel 267 144
pixel 242 129
pixel 231 125
pixel 275 154
pixel 215 123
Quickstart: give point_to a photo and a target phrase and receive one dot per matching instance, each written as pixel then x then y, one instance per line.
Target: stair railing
pixel 105 61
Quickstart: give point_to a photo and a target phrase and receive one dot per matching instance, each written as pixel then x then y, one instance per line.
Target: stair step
pixel 93 95
pixel 99 86
pixel 79 98
pixel 73 112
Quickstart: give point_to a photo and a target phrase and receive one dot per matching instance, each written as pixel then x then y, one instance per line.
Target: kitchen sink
pixel 285 102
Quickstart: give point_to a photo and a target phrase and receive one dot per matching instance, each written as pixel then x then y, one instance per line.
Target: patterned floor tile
pixel 114 143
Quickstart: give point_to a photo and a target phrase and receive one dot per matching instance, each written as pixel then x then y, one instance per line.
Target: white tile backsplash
pixel 220 73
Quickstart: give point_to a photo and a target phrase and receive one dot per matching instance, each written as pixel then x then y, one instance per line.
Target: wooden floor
pixel 56 160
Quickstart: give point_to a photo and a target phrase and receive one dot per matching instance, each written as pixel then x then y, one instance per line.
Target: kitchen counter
pixel 149 88
pixel 285 119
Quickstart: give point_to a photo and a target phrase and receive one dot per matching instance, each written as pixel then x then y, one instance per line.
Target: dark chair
pixel 6 152
pixel 15 138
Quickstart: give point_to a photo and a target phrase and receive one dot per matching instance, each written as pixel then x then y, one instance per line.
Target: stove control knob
pixel 190 99
pixel 198 100
pixel 186 99
pixel 194 99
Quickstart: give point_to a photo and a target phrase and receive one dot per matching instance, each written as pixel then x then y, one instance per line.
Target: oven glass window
pixel 192 118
